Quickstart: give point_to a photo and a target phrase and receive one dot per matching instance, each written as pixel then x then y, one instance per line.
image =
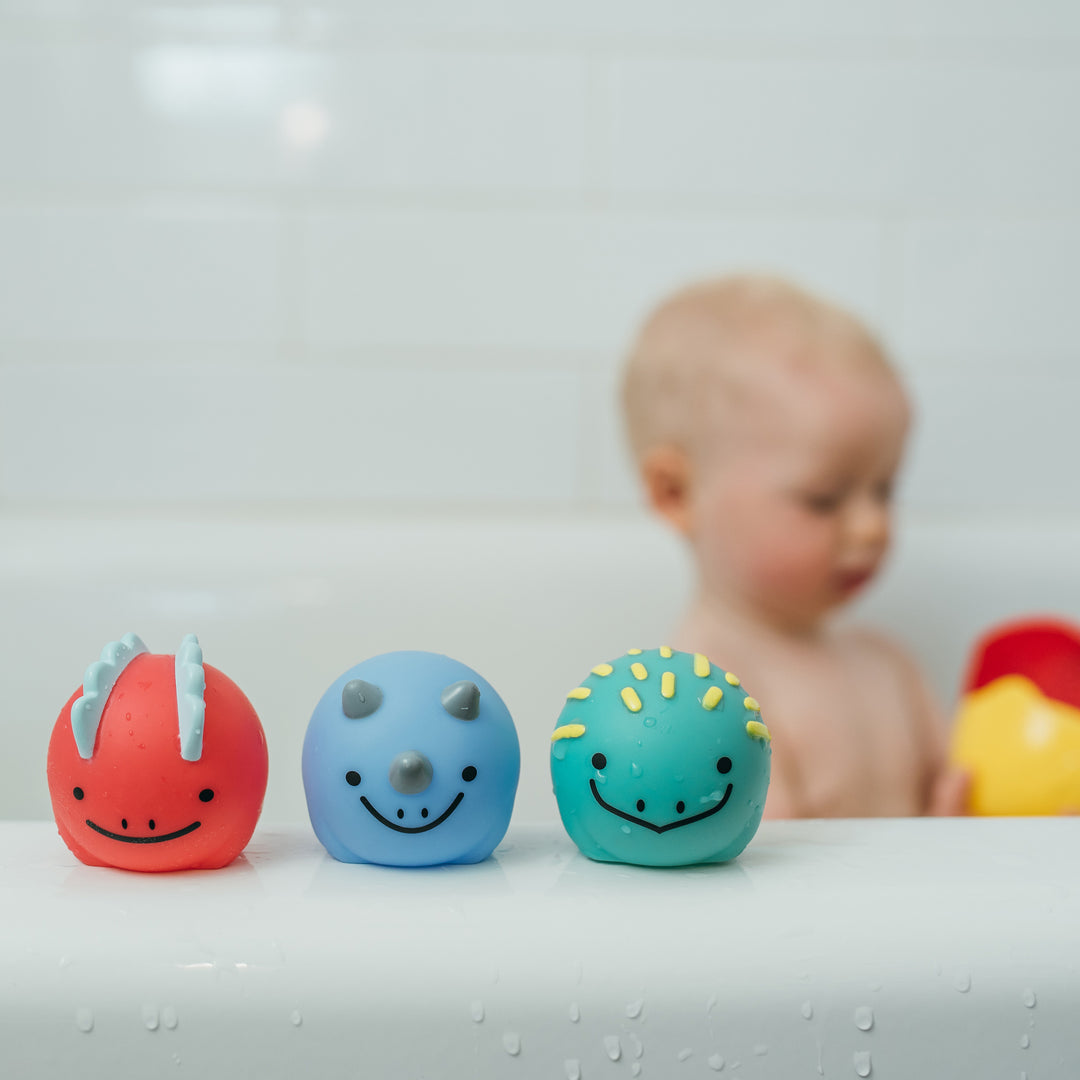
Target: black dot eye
pixel 352 778
pixel 206 794
pixel 724 765
pixel 78 793
pixel 468 774
pixel 599 761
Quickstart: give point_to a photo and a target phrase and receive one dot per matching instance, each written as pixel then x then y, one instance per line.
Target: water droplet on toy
pixel 512 1043
pixel 1028 998
pixel 573 1069
pixel 558 749
pixel 476 1011
pixel 635 769
pixel 637 1048
pixel 685 1054
pixel 807 1010
pixel 650 721
pixel 84 1020
pixel 625 829
pixel 1025 1042
pixel 613 1047
pixel 633 1010
pixel 863 1066
pixel 575 1012
pixel 169 1018
pixel 296 1018
pixel 962 982
pixel 150 1017
pixel 864 1018
pixel 716 1063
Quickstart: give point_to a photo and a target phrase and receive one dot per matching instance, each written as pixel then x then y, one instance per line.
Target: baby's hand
pixel 950 794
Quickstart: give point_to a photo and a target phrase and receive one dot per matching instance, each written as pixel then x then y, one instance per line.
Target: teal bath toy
pixel 660 758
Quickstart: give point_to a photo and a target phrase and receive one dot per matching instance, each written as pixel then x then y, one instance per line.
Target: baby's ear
pixel 666 472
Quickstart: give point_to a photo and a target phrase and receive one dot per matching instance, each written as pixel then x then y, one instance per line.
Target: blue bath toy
pixel 660 758
pixel 410 759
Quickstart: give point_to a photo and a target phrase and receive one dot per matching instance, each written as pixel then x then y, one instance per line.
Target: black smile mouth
pixel 144 839
pixel 417 828
pixel 660 828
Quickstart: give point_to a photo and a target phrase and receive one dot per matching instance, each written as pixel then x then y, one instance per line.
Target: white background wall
pixel 331 262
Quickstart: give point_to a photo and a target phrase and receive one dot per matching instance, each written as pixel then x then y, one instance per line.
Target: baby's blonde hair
pixel 712 336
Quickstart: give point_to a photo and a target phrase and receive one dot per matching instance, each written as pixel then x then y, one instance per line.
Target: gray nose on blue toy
pixel 410 772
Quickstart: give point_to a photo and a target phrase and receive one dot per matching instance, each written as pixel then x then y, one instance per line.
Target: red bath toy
pixel 1046 651
pixel 157 762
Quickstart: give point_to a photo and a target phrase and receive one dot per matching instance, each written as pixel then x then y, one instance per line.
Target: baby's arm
pixel 783 800
pixel 946 788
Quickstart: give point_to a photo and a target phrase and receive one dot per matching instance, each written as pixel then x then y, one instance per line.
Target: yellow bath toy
pixel 1021 748
pixel 1017 729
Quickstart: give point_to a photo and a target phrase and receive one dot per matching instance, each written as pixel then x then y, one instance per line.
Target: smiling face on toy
pixel 660 759
pixel 410 759
pixel 157 763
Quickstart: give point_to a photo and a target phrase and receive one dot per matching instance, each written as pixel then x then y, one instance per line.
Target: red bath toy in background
pixel 1046 651
pixel 157 762
pixel 1017 728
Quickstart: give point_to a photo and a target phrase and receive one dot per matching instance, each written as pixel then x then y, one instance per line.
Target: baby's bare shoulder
pixel 866 643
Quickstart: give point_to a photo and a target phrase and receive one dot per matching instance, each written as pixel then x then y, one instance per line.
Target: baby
pixel 768 428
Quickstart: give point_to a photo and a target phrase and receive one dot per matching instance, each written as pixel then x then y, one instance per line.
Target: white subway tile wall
pixel 348 252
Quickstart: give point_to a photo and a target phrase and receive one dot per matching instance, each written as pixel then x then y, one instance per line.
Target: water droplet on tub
pixel 635 1069
pixel 1028 998
pixel 685 1054
pixel 169 1017
pixel 710 1004
pixel 807 1010
pixel 637 1048
pixel 633 1010
pixel 716 1063
pixel 864 1018
pixel 65 962
pixel 150 1017
pixel 512 1043
pixel 613 1047
pixel 296 1018
pixel 575 1012
pixel 573 1069
pixel 476 1011
pixel 1025 1042
pixel 962 982
pixel 84 1020
pixel 863 1067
